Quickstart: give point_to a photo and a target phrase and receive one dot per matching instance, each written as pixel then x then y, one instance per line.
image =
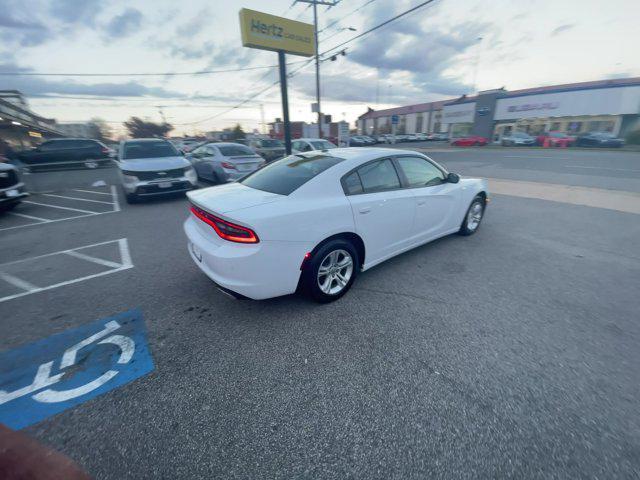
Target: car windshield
pixel 322 145
pixel 235 150
pixel 271 143
pixel 145 149
pixel 288 174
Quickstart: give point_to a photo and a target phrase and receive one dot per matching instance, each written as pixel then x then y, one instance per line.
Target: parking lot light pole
pixel 315 4
pixel 285 101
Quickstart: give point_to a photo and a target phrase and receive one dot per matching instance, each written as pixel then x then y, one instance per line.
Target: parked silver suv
pixel 150 167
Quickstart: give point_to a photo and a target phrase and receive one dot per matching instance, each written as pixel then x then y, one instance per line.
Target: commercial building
pixel 330 130
pixel 19 126
pixel 604 105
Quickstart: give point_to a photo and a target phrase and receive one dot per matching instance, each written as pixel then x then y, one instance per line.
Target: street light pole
pixel 315 4
pixel 315 26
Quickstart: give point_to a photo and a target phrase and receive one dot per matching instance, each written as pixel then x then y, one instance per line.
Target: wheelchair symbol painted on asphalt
pixel 64 370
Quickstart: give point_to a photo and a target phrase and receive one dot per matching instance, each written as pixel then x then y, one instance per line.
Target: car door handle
pixel 365 210
pixel 422 201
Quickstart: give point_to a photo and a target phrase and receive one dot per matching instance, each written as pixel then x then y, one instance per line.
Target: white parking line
pixel 91 191
pixel 54 221
pixel 114 197
pixel 30 217
pixel 123 247
pixel 19 283
pixel 61 208
pixel 76 198
pixel 89 258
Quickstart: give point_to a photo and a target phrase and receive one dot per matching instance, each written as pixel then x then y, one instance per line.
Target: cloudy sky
pixel 443 50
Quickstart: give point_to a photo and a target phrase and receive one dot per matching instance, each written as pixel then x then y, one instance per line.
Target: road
pixel 511 353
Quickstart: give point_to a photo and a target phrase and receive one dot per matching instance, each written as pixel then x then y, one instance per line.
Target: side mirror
pixel 453 178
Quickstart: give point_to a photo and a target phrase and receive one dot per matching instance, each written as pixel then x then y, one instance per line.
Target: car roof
pixel 226 144
pixel 310 139
pixel 142 140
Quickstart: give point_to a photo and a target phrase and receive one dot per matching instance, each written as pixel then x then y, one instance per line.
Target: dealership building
pixel 605 105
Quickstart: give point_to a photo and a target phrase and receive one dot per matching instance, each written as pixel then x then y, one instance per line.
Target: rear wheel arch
pixel 351 237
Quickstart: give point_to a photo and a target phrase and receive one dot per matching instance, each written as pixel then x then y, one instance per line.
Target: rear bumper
pixel 257 271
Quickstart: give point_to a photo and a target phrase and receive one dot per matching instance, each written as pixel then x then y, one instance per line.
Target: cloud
pixel 33 86
pixel 77 11
pixel 426 52
pixel 191 52
pixel 124 24
pixel 16 27
pixel 561 29
pixel 196 24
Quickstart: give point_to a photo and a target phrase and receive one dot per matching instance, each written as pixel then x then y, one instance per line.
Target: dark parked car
pixel 67 152
pixel 599 139
pixel 11 188
pixel 358 141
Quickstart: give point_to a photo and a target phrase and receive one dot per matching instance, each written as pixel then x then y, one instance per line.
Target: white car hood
pixel 230 197
pixel 154 164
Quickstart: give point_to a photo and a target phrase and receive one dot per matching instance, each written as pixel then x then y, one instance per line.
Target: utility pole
pixel 262 124
pixel 315 4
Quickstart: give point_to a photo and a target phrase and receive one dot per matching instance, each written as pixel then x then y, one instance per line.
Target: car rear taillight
pixel 104 150
pixel 226 230
pixel 228 165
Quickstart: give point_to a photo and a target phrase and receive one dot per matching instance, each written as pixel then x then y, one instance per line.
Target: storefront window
pixel 574 127
pixel 555 126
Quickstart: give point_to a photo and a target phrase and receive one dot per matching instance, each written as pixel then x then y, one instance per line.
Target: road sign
pixel 268 32
pixel 343 134
pixel 395 119
pixel 66 369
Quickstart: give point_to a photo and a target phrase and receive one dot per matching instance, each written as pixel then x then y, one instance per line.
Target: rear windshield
pixel 288 174
pixel 148 150
pixel 322 144
pixel 271 143
pixel 235 150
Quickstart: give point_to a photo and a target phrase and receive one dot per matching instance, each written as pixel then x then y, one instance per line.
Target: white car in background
pixel 315 220
pixel 224 162
pixel 311 144
pixel 149 167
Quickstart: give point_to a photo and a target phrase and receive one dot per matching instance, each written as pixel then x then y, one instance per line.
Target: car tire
pixel 473 217
pixel 330 256
pixel 131 198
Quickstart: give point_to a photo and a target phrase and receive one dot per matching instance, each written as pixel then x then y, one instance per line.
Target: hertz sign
pixel 268 32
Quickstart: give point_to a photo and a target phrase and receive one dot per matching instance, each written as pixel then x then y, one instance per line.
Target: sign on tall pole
pixel 278 34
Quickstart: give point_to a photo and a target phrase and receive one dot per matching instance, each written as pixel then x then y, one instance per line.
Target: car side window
pixel 420 172
pixel 306 147
pixel 48 146
pixel 209 151
pixel 378 176
pixel 352 184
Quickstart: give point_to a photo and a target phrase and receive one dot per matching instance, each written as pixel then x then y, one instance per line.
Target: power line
pixel 145 74
pixel 345 16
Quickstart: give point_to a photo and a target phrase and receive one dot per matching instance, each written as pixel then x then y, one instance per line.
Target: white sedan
pixel 312 221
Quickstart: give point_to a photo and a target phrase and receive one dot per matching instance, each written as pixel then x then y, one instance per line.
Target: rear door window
pixel 378 176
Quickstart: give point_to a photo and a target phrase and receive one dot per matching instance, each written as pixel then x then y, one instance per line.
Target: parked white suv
pixel 150 167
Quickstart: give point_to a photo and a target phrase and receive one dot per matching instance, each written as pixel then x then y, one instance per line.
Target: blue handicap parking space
pixel 64 370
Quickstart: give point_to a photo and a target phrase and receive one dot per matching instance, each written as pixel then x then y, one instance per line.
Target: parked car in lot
pixel 151 167
pixel 384 138
pixel 411 137
pixel 438 137
pixel 12 189
pixel 67 152
pixel 470 141
pixel 555 139
pixel 599 139
pixel 516 139
pixel 361 141
pixel 268 148
pixel 421 137
pixel 310 144
pixel 314 220
pixel 224 162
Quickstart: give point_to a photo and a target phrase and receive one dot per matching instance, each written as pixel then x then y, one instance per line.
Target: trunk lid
pixel 230 197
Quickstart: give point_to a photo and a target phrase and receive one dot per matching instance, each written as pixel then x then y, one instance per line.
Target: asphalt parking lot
pixel 510 353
